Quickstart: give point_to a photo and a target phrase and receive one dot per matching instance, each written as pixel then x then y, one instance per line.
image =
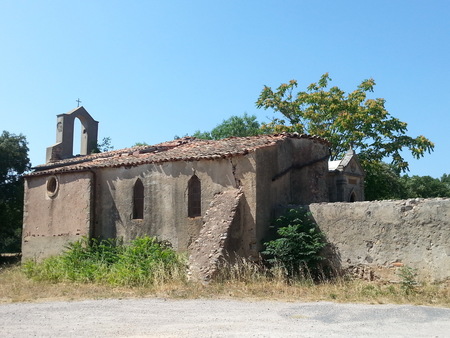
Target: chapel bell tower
pixel 63 148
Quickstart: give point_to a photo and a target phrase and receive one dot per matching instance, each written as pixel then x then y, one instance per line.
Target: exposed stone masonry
pixel 209 250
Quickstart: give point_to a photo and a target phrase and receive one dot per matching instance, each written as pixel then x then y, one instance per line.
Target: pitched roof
pixel 184 149
pixel 340 165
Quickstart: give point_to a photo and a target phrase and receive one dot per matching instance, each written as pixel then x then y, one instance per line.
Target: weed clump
pixel 144 262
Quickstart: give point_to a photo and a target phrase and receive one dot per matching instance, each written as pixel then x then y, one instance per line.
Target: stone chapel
pixel 206 197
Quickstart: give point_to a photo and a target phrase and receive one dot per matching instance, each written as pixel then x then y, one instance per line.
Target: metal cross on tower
pixel 78 101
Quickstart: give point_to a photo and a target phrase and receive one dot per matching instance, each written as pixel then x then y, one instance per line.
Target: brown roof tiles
pixel 184 149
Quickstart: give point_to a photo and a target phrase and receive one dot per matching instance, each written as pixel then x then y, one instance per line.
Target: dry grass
pixel 237 282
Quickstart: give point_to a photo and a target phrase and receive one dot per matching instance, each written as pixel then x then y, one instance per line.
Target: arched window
pixel 352 197
pixel 138 200
pixel 194 197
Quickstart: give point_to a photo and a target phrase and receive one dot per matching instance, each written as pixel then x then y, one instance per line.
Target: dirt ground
pixel 219 318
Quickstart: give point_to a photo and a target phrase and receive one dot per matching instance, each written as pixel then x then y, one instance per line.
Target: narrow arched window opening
pixel 138 200
pixel 352 197
pixel 194 197
pixel 77 137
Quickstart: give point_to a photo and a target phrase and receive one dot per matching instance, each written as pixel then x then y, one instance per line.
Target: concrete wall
pixel 375 238
pixel 55 215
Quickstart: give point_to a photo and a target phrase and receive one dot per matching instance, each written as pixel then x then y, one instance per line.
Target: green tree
pixel 383 182
pixel 205 135
pixel 240 126
pixel 14 162
pixel 446 179
pixel 103 146
pixel 140 144
pixel 425 187
pixel 346 120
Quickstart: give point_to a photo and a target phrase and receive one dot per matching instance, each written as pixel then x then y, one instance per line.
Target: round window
pixel 52 186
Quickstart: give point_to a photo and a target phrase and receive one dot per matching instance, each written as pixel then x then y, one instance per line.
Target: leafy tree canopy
pixel 140 144
pixel 346 120
pixel 14 159
pixel 239 126
pixel 425 187
pixel 104 146
pixel 446 179
pixel 383 181
pixel 14 162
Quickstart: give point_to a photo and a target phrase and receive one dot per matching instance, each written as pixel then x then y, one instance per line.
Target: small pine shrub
pixel 408 280
pixel 298 246
pixel 144 262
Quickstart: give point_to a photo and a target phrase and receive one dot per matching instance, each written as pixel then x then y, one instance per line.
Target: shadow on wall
pixel 106 214
pixel 331 265
pixel 241 241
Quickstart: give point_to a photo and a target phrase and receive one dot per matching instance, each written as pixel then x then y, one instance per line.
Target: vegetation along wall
pixel 375 239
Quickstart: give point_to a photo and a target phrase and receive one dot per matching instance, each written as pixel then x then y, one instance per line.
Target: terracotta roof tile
pixel 184 149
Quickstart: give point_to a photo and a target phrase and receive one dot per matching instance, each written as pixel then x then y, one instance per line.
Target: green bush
pixel 144 262
pixel 298 246
pixel 408 279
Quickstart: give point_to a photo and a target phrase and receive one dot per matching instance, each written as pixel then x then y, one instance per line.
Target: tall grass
pixel 242 279
pixel 144 262
pixel 249 279
pixel 147 267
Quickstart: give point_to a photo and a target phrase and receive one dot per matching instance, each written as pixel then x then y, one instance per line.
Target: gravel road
pixel 219 318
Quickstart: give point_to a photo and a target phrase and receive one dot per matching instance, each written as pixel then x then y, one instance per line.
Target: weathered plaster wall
pixel 53 220
pixel 166 199
pixel 376 238
pixel 294 172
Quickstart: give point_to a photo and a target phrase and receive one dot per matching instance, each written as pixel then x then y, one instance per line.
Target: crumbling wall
pixel 212 247
pixel 374 239
pixel 166 199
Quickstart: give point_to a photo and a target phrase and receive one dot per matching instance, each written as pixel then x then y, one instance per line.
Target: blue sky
pixel 150 70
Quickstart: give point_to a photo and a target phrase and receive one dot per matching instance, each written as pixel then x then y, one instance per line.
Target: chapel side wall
pixel 309 184
pixel 49 224
pixel 299 186
pixel 376 238
pixel 269 194
pixel 165 198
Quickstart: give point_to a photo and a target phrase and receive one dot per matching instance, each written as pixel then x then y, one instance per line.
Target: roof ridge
pixel 184 149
